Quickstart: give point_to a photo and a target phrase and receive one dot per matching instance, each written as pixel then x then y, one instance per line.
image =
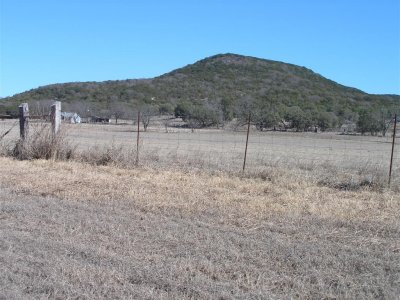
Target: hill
pixel 222 82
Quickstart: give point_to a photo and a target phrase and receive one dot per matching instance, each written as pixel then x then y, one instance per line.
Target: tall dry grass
pixel 95 224
pixel 40 143
pixel 110 232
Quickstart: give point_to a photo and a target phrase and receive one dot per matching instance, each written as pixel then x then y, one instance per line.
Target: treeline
pixel 275 116
pixel 263 114
pixel 222 88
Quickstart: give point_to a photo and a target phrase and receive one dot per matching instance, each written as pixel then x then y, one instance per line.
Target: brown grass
pixel 42 144
pixel 75 230
pixel 329 159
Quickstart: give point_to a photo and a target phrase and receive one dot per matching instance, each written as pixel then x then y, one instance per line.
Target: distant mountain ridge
pixel 222 79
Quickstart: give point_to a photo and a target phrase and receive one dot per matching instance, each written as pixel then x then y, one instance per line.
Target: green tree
pixel 368 122
pixel 266 117
pixel 183 110
pixel 227 108
pixel 298 119
pixel 166 109
pixel 198 115
pixel 245 107
pixel 325 120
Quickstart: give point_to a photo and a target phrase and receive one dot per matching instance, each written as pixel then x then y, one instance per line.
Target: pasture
pixel 351 156
pixel 311 217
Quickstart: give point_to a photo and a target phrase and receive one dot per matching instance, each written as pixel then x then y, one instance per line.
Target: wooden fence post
pixel 55 117
pixel 23 120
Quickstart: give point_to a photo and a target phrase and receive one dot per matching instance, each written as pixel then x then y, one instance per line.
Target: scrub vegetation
pixel 217 89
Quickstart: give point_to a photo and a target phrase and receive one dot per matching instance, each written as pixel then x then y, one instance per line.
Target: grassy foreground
pixel 73 230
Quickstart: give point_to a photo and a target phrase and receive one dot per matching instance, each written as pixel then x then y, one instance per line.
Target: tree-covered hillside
pixel 222 87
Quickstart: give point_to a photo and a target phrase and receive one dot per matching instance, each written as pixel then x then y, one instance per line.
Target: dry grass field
pixel 325 156
pixel 181 226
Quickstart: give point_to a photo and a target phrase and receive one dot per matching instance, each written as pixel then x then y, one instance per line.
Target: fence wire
pixel 223 149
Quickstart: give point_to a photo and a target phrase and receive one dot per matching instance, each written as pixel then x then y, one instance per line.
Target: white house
pixel 70 117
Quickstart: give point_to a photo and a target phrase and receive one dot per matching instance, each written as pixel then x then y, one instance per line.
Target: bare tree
pixel 386 120
pixel 167 122
pixel 146 113
pixel 40 108
pixel 82 108
pixel 118 110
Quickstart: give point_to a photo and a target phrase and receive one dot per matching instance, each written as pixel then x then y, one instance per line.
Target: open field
pixel 362 158
pixel 76 231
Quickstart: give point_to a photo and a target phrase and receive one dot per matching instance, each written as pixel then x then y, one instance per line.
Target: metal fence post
pixel 247 142
pixel 393 142
pixel 137 138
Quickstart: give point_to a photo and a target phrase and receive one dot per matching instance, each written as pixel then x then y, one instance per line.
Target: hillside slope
pixel 222 79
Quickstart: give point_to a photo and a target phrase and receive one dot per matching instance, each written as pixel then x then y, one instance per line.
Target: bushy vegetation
pixel 220 88
pixel 374 121
pixel 197 116
pixel 41 144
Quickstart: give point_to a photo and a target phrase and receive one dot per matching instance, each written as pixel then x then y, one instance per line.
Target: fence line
pixel 225 149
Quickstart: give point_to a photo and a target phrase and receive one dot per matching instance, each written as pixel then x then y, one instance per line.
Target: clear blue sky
pixel 354 42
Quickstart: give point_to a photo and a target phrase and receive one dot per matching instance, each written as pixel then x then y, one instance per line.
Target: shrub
pixel 41 144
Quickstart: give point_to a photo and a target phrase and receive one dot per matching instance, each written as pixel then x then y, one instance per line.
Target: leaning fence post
pixel 55 117
pixel 393 142
pixel 23 120
pixel 247 142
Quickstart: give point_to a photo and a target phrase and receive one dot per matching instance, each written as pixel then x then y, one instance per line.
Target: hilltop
pixel 221 82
